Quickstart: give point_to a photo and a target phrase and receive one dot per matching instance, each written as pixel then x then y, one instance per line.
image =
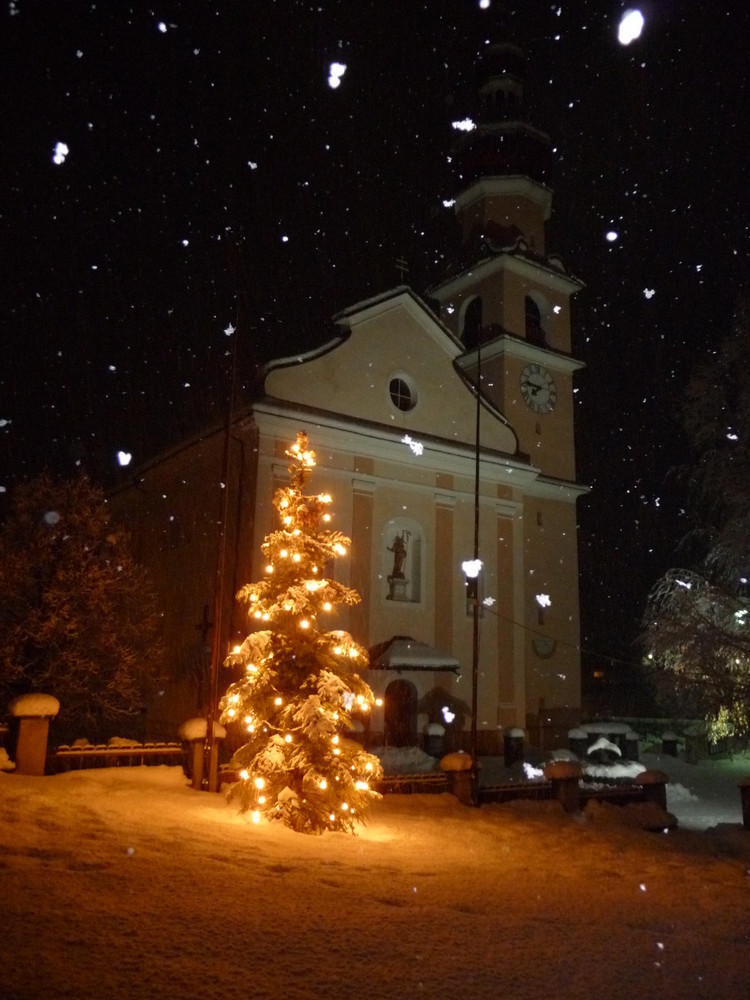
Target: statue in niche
pixel 396 579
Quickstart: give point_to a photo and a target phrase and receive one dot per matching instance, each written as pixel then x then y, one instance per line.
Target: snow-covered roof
pixel 404 653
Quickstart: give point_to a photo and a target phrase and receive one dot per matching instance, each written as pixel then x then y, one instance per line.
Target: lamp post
pixel 471 569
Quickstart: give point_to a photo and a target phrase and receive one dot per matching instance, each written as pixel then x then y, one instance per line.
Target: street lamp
pixel 471 568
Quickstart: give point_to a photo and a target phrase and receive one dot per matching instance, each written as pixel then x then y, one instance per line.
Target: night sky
pixel 213 177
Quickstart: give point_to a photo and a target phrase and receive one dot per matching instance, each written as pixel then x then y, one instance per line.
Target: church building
pixel 443 427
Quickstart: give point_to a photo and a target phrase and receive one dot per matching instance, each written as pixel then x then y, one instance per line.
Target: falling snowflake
pixel 124 458
pixel 335 71
pixel 59 153
pixel 649 292
pixel 464 125
pixel 229 330
pixel 611 236
pixel 630 27
pixel 532 772
pixel 543 600
pixel 416 446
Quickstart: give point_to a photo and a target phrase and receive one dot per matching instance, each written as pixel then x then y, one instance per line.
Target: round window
pixel 403 393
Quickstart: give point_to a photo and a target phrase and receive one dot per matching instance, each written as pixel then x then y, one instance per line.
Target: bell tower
pixel 507 298
pixel 502 163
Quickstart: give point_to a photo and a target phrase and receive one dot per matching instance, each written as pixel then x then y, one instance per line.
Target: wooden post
pixel 33 712
pixel 31 752
pixel 197 754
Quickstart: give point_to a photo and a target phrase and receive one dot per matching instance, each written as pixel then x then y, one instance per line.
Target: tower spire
pixel 502 163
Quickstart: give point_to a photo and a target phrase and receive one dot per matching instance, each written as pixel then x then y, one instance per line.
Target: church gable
pixel 394 366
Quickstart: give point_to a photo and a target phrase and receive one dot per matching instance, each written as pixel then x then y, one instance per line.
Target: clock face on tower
pixel 538 389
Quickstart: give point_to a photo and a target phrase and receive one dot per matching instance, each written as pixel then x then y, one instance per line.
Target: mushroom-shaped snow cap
pixel 458 761
pixel 195 729
pixel 652 777
pixel 34 706
pixel 559 770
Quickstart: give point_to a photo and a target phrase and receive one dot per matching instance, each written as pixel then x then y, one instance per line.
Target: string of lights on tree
pixel 300 688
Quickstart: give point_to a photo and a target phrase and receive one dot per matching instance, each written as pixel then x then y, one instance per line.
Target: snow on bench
pixel 118 752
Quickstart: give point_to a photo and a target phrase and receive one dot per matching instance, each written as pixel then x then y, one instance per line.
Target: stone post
pixel 434 739
pixel 565 776
pixel 631 745
pixel 578 742
pixel 33 712
pixel 513 745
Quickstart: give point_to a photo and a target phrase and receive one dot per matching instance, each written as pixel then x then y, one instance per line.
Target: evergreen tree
pixel 79 619
pixel 299 691
pixel 697 619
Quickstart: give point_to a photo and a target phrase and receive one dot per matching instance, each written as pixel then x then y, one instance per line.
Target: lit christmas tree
pixel 299 690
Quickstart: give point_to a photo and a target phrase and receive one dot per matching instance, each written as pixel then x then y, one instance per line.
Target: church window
pixel 403 393
pixel 471 322
pixel 534 331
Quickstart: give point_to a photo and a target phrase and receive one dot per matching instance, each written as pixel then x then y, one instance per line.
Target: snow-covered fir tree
pixel 300 686
pixel 697 621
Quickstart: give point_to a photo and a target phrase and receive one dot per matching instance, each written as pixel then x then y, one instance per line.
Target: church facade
pixel 443 427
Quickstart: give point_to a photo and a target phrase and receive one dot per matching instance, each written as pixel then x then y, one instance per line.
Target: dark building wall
pixel 174 509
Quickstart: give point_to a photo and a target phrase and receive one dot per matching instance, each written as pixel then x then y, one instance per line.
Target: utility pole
pixel 211 755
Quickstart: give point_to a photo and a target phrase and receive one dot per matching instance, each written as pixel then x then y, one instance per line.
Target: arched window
pixel 472 323
pixel 534 331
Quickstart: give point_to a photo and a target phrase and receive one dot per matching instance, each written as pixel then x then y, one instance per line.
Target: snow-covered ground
pixel 124 883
